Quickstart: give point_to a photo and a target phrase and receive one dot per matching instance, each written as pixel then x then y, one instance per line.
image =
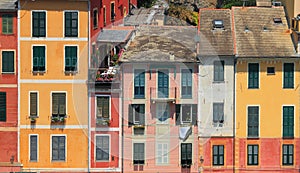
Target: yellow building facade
pixel 53 96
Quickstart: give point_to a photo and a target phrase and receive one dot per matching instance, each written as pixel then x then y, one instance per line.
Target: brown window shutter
pixel 33 104
pixel 55 104
pixel 62 104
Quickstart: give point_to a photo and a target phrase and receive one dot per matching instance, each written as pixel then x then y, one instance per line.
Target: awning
pixel 184 132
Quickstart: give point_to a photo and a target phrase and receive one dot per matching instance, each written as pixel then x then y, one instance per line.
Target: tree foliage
pixel 230 3
pixel 146 3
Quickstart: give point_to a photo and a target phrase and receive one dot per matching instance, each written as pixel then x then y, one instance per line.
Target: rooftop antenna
pixel 244 2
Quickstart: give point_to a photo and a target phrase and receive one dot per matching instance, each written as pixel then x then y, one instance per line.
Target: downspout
pixel 122 125
pixel 88 88
pixel 234 112
pixel 18 23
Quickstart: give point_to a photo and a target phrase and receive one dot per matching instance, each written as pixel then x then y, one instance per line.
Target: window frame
pixel 109 147
pixel 64 24
pixel 218 26
pixel 215 104
pixel 270 73
pixel 162 153
pixel 219 76
pixel 218 155
pixel 283 76
pixel 51 152
pixel 37 147
pixel 66 102
pixel 186 87
pixel 109 106
pixel 76 70
pixel 9 18
pixel 164 72
pixel 104 15
pixel 137 74
pixel 186 162
pixel 95 25
pixel 112 13
pixel 3 119
pixel 32 23
pixel 252 155
pixel 32 59
pixel 133 153
pixel 135 113
pixel 166 114
pixel 251 85
pixel 258 121
pixel 287 155
pixel 293 122
pixel 14 61
pixel 37 104
pixel 191 114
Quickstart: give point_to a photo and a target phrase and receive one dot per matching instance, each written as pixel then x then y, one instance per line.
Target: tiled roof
pixel 215 41
pixel 7 4
pixel 257 35
pixel 114 35
pixel 160 43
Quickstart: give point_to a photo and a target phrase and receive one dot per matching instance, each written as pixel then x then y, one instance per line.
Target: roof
pixel 115 35
pixel 256 34
pixel 7 4
pixel 162 44
pixel 215 41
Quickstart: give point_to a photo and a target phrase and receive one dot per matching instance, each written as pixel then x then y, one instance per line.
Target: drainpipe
pixel 122 125
pixel 18 23
pixel 88 88
pixel 234 112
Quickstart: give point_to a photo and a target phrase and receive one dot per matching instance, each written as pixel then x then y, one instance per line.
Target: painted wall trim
pixel 53 126
pixel 53 39
pixel 8 129
pixel 56 169
pixel 109 129
pixel 40 81
pixel 8 85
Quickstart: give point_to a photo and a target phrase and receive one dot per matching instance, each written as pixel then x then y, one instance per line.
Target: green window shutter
pixel 71 58
pixel 130 115
pixel 8 62
pixel 288 121
pixel 288 75
pixel 33 104
pixel 39 58
pixel 55 103
pixel 4 24
pixel 7 24
pixel 177 110
pixel 253 76
pixel 2 106
pixel 253 121
pixel 62 104
pixel 10 25
pixel 102 107
pixel 38 24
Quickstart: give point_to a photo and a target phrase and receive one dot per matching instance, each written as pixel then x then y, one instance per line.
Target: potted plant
pixel 103 122
pixel 54 119
pixel 32 119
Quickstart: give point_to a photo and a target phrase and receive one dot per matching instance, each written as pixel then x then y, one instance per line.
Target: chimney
pixel 263 3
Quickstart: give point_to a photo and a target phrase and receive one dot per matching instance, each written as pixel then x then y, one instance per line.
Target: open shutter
pixel 2 106
pixel 55 104
pixel 130 115
pixel 33 148
pixel 74 58
pixel 194 114
pixel 33 104
pixel 62 104
pixel 68 60
pixel 105 107
pixel 178 107
pixel 142 114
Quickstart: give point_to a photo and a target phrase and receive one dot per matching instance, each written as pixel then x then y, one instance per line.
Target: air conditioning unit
pixel 276 3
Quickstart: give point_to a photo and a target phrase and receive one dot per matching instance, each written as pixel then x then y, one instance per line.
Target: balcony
pixel 163 94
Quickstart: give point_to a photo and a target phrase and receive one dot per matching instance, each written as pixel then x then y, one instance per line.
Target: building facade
pixel 267 99
pixel 53 112
pixel 9 87
pixel 216 91
pixel 160 100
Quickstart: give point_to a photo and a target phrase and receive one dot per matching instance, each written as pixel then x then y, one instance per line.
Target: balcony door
pixel 163 84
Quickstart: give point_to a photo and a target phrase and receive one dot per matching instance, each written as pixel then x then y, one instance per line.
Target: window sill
pixel 8 73
pixel 288 88
pixel 186 97
pixel 252 137
pixel 71 72
pixel 217 82
pixel 38 72
pixel 270 74
pixel 103 161
pixel 137 97
pixel 55 161
pixel 288 137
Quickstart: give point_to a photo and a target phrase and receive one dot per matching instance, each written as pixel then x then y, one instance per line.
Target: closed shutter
pixel 42 24
pixel 61 147
pixel 139 153
pixel 288 75
pixel 74 24
pixel 253 121
pixel 8 62
pixel 55 103
pixel 71 58
pixel 177 109
pixel 35 24
pixel 194 114
pixel 55 148
pixel 4 24
pixel 2 106
pixel 288 121
pixel 33 148
pixel 62 104
pixel 67 24
pixel 33 104
pixel 7 24
pixel 130 115
pixel 39 58
pixel 253 75
pixel 102 107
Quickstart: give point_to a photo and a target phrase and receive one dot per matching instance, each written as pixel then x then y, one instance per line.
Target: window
pixel 8 62
pixel 104 15
pixel 38 24
pixel 139 84
pixel 33 103
pixel 7 24
pixel 186 83
pixel 137 114
pixel 71 58
pixel 186 113
pixel 58 148
pixel 102 107
pixel 162 151
pixel 287 154
pixel 33 147
pixel 102 148
pixel 252 155
pixel 288 121
pixel 112 11
pixel 218 155
pixel 138 153
pixel 39 59
pixel 218 112
pixel 218 71
pixel 277 20
pixel 59 104
pixel 253 121
pixel 95 18
pixel 162 112
pixel 218 24
pixel 253 73
pixel 163 84
pixel 71 24
pixel 2 106
pixel 288 74
pixel 270 70
pixel 186 154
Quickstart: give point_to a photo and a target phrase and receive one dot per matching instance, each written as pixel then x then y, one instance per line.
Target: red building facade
pixel 8 88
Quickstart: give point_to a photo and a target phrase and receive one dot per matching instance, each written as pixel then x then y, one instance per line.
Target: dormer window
pixel 218 24
pixel 277 20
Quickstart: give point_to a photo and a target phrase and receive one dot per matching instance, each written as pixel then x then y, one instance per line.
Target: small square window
pixel 277 20
pixel 218 24
pixel 270 70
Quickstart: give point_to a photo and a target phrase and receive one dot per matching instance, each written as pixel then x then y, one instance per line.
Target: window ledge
pixel 55 161
pixel 288 88
pixel 288 137
pixel 143 97
pixel 71 72
pixel 252 137
pixel 8 73
pixel 38 72
pixel 218 82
